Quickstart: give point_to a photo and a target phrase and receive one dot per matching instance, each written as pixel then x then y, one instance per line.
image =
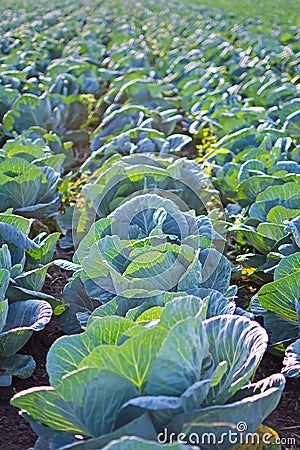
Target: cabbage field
pixel 149 225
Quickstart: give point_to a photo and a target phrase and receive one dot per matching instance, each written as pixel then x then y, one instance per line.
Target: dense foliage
pixel 159 143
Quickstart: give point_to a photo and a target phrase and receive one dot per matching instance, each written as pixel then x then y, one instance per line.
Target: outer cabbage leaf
pixel 101 397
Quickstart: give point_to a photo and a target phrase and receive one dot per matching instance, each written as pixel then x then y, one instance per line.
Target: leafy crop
pixel 180 124
pixel 26 260
pixel 175 384
pixel 18 321
pixel 30 190
pixel 146 244
pixel 278 304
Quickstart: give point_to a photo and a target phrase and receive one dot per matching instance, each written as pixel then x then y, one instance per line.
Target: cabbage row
pixel 161 145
